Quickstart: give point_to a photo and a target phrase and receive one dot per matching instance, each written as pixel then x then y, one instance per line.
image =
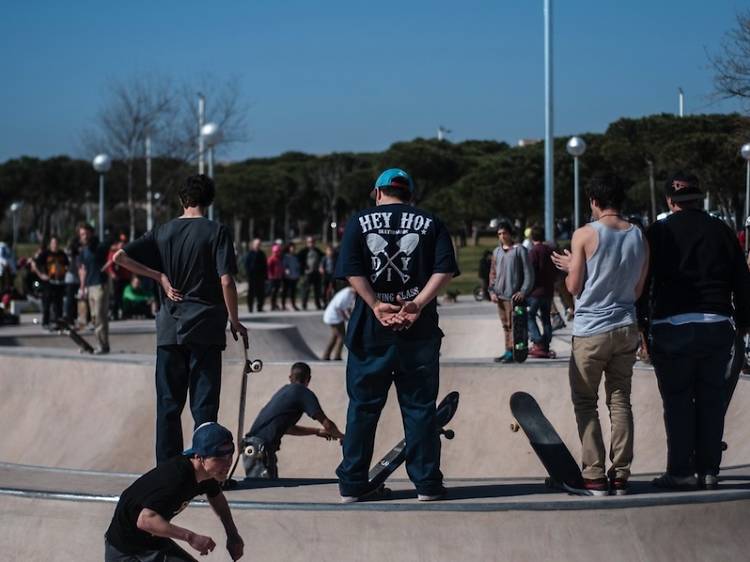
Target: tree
pixel 732 65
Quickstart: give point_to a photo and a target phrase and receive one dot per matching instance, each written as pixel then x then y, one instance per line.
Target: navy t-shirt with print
pixel 397 247
pixel 194 253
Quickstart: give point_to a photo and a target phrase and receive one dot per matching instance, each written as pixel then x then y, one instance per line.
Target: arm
pixel 528 275
pixel 36 271
pixel 235 544
pixel 329 427
pixel 573 261
pixel 229 289
pixel 644 271
pixel 154 524
pixel 493 277
pixel 123 260
pixel 384 312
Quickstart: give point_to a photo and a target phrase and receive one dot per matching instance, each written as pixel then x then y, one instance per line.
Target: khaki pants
pixel 611 354
pixel 99 307
pixel 505 311
pixel 336 343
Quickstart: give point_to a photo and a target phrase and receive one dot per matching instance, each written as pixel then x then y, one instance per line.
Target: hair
pixel 537 234
pixel 397 191
pixel 300 372
pixel 85 226
pixel 607 190
pixel 197 191
pixel 505 225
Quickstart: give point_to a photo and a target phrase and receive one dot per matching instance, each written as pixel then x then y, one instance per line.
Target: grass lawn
pixel 468 263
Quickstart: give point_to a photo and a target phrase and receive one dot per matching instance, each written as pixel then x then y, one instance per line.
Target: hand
pixel 408 314
pixel 493 297
pixel 172 293
pixel 235 546
pixel 385 313
pixel 44 277
pixel 324 434
pixel 562 261
pixel 236 328
pixel 201 543
pixel 518 297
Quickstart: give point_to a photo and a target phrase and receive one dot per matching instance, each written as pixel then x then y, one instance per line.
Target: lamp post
pixel 745 151
pixel 149 198
pixel 576 147
pixel 549 138
pixel 102 164
pixel 211 134
pixel 14 208
pixel 201 121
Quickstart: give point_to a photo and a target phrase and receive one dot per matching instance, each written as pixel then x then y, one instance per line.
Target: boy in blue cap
pixel 397 258
pixel 141 529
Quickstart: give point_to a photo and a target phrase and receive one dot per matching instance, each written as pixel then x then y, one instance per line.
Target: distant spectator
pixel 541 295
pixel 336 315
pixel 94 283
pixel 310 258
pixel 485 263
pixel 275 274
pixel 119 277
pixel 51 265
pixel 137 300
pixel 327 270
pixel 256 270
pixel 292 273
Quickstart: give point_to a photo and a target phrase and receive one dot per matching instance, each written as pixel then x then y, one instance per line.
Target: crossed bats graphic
pixel 377 245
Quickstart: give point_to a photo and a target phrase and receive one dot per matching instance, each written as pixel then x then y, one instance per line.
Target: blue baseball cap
pixel 211 440
pixel 395 177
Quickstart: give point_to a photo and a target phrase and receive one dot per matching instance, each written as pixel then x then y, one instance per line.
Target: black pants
pixel 289 291
pixel 171 553
pixel 256 293
pixel 71 303
pixel 691 363
pixel 180 368
pixel 52 298
pixel 312 281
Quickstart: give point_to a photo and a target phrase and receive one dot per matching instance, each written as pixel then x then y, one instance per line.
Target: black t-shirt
pixel 284 410
pixel 93 257
pixel 167 490
pixel 194 254
pixel 53 264
pixel 398 248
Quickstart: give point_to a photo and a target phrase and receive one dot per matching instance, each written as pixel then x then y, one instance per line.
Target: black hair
pixel 400 193
pixel 300 372
pixel 505 225
pixel 537 234
pixel 607 190
pixel 197 191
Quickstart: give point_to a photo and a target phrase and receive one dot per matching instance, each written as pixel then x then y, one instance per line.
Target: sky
pixel 333 75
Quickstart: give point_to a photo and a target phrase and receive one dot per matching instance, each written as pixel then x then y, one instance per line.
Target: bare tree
pixel 732 65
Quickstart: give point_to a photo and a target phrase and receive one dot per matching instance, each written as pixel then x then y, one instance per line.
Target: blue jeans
pixel 413 367
pixel 179 368
pixel 542 306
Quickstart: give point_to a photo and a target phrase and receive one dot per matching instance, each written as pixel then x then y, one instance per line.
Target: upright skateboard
pixel 63 328
pixel 248 366
pixel 520 329
pixel 564 472
pixel 395 457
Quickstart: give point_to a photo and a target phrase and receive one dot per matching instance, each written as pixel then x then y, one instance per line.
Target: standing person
pixel 192 258
pixel 119 277
pixel 338 311
pixel 511 280
pixel 606 268
pixel 310 258
pixel 51 266
pixel 483 272
pixel 397 257
pixel 94 284
pixel 70 309
pixel 275 274
pixel 141 527
pixel 541 295
pixel 292 274
pixel 256 270
pixel 697 274
pixel 328 271
pixel 279 417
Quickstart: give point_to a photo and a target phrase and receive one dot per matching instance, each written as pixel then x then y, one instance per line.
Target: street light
pixel 14 208
pixel 549 136
pixel 102 164
pixel 745 151
pixel 211 134
pixel 149 199
pixel 576 147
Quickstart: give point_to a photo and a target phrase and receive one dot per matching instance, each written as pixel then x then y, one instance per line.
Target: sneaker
pixel 670 482
pixel 619 487
pixel 538 352
pixel 596 486
pixel 709 482
pixel 349 499
pixel 379 492
pixel 507 357
pixel 432 497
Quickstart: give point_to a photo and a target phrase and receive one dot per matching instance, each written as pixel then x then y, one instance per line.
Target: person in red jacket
pixel 275 274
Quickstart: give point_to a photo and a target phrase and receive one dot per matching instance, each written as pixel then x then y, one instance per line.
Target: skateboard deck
pixel 520 329
pixel 248 366
pixel 380 472
pixel 564 472
pixel 62 327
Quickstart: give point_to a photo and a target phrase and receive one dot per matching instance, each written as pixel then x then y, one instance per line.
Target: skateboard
pixel 248 366
pixel 520 329
pixel 733 374
pixel 62 327
pixel 395 457
pixel 564 472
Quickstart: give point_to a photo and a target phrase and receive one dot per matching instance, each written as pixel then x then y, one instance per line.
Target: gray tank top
pixel 608 299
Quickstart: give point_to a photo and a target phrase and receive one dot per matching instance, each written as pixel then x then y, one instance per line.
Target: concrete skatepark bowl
pixel 79 429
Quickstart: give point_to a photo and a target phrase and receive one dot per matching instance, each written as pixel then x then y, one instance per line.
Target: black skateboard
pixel 520 329
pixel 248 366
pixel 64 328
pixel 564 472
pixel 395 457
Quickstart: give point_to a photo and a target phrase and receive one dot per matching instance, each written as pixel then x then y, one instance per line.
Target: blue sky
pixel 330 75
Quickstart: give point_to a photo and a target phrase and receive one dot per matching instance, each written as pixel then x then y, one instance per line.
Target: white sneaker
pixel 432 497
pixel 349 499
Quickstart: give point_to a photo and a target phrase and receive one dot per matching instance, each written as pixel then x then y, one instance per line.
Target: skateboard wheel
pixel 250 451
pixel 256 365
pixel 449 434
pixel 724 446
pixel 514 427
